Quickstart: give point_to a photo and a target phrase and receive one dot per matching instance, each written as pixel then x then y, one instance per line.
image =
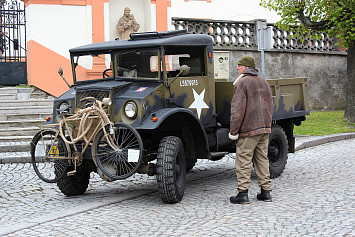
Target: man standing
pixel 250 123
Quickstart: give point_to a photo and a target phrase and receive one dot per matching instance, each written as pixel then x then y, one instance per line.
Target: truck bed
pixel 289 95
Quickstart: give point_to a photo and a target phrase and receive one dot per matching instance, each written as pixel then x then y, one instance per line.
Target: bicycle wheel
pixel 48 156
pixel 122 160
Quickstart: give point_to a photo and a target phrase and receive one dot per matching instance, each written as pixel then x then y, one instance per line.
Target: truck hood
pixel 102 85
pixel 137 90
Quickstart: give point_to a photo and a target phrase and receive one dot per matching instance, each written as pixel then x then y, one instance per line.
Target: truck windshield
pixel 92 66
pixel 132 64
pixel 138 64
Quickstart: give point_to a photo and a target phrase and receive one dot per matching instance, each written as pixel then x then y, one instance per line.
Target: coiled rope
pixel 85 123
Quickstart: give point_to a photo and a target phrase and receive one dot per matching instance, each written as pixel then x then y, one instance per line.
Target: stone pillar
pixel 161 14
pixel 98 35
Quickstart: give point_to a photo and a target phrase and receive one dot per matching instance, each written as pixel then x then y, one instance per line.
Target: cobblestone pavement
pixel 315 196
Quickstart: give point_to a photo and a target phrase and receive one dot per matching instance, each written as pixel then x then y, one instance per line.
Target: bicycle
pixel 117 150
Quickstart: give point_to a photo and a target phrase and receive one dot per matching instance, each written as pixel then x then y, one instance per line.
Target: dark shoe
pixel 264 195
pixel 241 198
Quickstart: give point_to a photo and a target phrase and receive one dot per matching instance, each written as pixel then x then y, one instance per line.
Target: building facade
pixel 55 26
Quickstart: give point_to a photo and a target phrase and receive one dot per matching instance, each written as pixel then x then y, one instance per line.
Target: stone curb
pixel 325 139
pixel 12 160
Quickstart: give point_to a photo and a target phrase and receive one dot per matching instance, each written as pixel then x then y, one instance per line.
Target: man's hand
pixel 233 137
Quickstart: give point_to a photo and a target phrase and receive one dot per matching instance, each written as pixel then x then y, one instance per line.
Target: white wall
pixel 59 27
pixel 236 10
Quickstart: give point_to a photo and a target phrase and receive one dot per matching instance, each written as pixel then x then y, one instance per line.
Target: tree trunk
pixel 350 93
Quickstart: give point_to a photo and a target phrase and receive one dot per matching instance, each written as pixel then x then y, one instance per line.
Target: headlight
pixel 131 109
pixel 106 101
pixel 64 108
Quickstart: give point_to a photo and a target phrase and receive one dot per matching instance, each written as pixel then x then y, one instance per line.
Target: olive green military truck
pixel 154 108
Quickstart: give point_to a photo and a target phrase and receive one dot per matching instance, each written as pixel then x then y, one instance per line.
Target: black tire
pixel 45 147
pixel 76 184
pixel 277 151
pixel 171 169
pixel 126 159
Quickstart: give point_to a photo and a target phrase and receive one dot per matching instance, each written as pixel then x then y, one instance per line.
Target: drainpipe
pixel 264 41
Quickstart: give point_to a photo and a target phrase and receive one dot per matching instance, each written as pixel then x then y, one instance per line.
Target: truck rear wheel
pixel 171 169
pixel 277 152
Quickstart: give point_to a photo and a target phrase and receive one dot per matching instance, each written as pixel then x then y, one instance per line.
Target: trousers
pixel 253 150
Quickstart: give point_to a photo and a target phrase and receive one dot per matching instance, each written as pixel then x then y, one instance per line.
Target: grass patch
pixel 19 86
pixel 23 86
pixel 320 123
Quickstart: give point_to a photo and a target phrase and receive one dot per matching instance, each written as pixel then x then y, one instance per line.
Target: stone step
pixel 28 131
pixel 9 90
pixel 19 93
pixel 21 123
pixel 26 109
pixel 21 110
pixel 41 95
pixel 19 146
pixel 24 93
pixel 23 103
pixel 30 116
pixel 15 157
pixel 8 96
pixel 4 139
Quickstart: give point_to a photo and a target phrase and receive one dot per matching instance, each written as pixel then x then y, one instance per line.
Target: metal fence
pixel 12 31
pixel 13 69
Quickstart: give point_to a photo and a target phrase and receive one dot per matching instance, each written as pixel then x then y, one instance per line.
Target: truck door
pixel 195 90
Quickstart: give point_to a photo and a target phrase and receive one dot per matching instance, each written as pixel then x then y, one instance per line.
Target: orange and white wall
pixel 55 26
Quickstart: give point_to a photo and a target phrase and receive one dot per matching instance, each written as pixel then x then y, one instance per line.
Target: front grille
pixel 97 94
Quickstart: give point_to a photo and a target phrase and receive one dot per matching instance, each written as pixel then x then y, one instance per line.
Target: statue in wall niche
pixel 127 24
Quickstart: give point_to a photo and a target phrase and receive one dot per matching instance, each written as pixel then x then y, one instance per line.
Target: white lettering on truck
pixel 189 83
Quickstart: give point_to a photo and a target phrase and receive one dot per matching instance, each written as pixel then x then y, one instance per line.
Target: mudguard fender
pixel 165 113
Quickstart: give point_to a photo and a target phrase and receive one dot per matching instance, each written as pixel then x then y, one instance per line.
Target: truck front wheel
pixel 76 184
pixel 277 152
pixel 171 169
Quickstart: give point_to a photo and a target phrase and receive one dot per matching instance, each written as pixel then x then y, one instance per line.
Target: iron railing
pixel 244 35
pixel 12 31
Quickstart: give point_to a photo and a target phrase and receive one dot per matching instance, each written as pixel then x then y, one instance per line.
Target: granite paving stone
pixel 313 197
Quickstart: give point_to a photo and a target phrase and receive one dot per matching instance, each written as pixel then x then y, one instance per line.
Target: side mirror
pixel 184 70
pixel 60 71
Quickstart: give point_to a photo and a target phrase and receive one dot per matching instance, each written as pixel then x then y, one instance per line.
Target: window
pixel 193 57
pixel 137 64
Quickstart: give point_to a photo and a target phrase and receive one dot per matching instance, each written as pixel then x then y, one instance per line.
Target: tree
pixel 310 18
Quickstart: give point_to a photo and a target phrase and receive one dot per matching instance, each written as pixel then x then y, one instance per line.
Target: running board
pixel 218 155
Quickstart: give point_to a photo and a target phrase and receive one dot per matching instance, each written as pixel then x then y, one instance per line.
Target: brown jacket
pixel 251 107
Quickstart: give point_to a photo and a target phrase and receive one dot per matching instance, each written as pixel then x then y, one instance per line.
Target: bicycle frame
pixel 76 156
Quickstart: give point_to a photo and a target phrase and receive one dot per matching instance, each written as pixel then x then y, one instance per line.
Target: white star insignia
pixel 199 102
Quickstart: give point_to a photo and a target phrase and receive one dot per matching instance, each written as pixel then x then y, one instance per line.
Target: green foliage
pixel 324 123
pixel 306 18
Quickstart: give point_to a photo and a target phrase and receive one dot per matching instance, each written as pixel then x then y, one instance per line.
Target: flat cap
pixel 247 61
